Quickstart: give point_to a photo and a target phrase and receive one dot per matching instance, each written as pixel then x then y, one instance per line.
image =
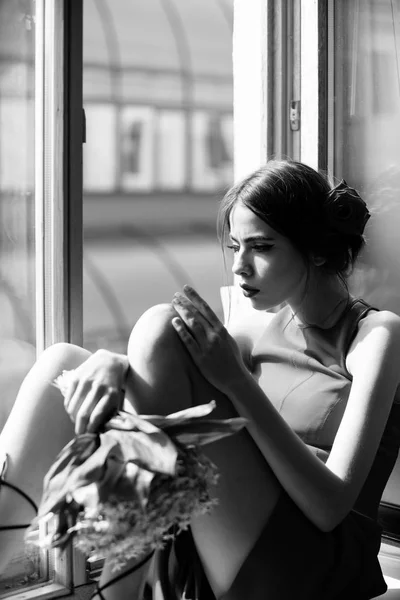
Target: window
pixel 157 81
pixel 17 239
pixel 38 147
pixel 157 92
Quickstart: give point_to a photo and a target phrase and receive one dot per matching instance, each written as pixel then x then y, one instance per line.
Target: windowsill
pixel 389 558
pixel 393 584
pixel 44 592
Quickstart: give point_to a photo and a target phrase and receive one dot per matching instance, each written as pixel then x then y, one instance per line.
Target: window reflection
pixel 137 160
pixel 17 276
pixel 17 260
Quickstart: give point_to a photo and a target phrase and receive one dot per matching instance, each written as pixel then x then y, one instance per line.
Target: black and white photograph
pixel 200 299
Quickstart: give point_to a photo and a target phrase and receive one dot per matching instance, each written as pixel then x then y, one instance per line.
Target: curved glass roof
pixel 167 51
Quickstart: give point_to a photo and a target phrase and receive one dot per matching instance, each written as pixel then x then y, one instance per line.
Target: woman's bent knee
pixel 64 352
pixel 62 356
pixel 159 362
pixel 154 329
pixel 157 318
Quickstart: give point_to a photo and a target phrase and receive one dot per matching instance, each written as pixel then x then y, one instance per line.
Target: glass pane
pixel 158 156
pixel 17 257
pixel 367 143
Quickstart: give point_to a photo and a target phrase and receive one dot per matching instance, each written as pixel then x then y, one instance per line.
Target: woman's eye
pixel 262 247
pixel 233 248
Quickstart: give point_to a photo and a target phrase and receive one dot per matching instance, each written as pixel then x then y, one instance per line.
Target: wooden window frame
pixel 59 132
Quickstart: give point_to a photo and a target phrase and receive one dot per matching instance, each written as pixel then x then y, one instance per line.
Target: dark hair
pixel 299 203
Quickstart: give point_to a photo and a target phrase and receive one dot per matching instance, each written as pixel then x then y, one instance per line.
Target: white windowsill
pixel 44 592
pixel 389 558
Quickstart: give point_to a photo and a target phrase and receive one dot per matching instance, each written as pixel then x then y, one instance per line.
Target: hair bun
pixel 345 211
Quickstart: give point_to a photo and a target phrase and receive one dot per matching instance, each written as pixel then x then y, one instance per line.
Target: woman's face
pixel 268 268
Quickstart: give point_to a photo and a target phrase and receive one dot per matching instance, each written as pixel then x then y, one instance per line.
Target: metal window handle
pixel 294 115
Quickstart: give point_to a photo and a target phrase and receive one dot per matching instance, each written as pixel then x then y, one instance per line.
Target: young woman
pixel 318 382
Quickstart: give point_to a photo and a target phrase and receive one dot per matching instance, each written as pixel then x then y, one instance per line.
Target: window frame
pixel 314 95
pixel 266 42
pixel 59 133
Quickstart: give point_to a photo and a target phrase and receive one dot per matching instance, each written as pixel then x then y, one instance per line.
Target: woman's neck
pixel 321 303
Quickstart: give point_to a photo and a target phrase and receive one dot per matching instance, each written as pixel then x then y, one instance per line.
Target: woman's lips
pixel 248 291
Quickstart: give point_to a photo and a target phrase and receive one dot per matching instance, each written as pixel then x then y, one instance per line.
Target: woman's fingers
pixel 98 406
pixel 198 323
pixel 105 408
pixel 70 392
pixel 85 410
pixel 189 341
pixel 75 395
pixel 92 406
pixel 191 317
pixel 202 306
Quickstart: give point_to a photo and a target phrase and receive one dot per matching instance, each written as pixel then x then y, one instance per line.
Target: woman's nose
pixel 241 266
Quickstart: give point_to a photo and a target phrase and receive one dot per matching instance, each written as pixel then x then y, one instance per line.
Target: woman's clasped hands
pixel 208 342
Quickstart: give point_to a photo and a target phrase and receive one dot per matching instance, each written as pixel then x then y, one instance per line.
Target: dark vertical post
pixel 74 124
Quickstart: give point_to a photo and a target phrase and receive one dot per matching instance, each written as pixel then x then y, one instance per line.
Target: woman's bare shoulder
pixel 379 330
pixel 384 320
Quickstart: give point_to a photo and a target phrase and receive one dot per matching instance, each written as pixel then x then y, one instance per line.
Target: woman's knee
pixel 154 330
pixel 60 357
pixel 159 362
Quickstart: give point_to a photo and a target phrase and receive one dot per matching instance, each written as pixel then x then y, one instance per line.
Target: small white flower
pixel 63 381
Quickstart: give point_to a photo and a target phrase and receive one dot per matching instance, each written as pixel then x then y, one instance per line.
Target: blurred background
pixel 158 156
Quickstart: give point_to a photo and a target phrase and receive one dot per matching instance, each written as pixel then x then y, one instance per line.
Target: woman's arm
pixel 374 362
pixel 325 493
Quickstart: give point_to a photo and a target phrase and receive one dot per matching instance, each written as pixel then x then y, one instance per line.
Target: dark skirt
pixel 291 559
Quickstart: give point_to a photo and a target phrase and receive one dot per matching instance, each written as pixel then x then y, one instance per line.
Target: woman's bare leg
pixel 37 429
pixel 166 380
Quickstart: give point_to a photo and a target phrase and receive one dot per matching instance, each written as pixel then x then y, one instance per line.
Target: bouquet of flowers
pixel 128 489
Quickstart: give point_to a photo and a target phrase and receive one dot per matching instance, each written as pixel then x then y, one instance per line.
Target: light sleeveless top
pixel 302 371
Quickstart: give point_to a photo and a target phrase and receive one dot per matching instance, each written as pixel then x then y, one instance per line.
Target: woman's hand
pixel 211 347
pixel 95 392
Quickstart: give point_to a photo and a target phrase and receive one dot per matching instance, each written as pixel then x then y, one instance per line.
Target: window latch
pixel 294 115
pixel 83 126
